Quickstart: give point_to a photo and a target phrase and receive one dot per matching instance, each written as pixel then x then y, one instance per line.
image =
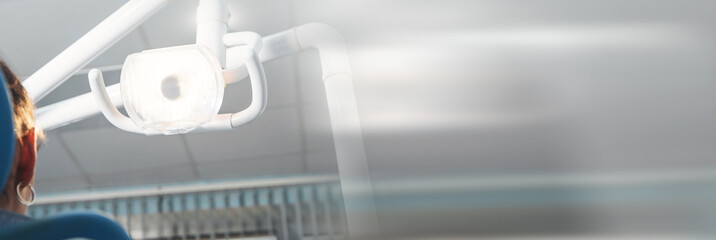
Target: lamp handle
pixel 258 100
pixel 237 57
pixel 250 44
pixel 104 102
pixel 259 93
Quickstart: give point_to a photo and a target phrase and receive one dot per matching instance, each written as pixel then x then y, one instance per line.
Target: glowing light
pixel 172 90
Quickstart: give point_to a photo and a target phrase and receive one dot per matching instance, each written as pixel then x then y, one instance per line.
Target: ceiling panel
pixel 281 82
pixel 43 28
pixel 237 96
pixel 317 127
pixel 110 150
pixel 174 25
pixel 255 167
pixel 145 177
pixel 264 17
pixel 53 161
pixel 98 121
pixel 275 132
pixel 322 162
pixel 310 78
pixel 76 85
pixel 61 185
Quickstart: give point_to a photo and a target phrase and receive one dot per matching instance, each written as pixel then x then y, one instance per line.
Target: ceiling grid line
pixel 144 37
pixel 74 160
pixel 256 158
pixel 190 156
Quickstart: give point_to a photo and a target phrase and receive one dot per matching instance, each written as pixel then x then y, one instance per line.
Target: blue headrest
pixel 64 226
pixel 85 225
pixel 7 131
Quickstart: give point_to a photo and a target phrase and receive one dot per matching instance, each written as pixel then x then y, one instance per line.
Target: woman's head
pixel 22 172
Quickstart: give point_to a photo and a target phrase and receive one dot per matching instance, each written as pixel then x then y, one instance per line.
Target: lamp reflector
pixel 172 90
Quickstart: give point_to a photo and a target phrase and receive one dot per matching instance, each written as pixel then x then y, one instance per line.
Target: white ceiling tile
pixel 97 121
pixel 132 43
pixel 264 17
pixel 281 81
pixel 310 78
pixel 281 88
pixel 335 11
pixel 174 25
pixel 76 85
pixel 317 125
pixel 255 167
pixel 53 161
pixel 109 150
pixel 322 162
pixel 44 186
pixel 46 27
pixel 237 96
pixel 144 177
pixel 275 132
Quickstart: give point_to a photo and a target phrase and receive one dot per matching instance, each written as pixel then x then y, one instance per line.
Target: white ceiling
pixel 444 88
pixel 92 154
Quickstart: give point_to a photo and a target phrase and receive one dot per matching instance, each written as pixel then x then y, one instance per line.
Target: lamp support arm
pixel 356 184
pixel 90 46
pixel 352 165
pixel 212 23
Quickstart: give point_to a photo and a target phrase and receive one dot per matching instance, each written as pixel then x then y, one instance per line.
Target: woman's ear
pixel 28 159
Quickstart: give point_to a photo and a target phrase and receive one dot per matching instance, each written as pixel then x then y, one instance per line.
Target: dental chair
pixel 85 225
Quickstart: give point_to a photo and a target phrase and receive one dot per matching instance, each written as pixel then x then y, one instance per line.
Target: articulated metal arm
pixel 347 134
pixel 90 46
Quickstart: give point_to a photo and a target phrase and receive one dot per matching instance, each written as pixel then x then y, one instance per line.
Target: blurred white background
pixel 480 118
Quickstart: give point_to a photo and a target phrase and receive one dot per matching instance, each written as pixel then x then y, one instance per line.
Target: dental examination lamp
pixel 178 90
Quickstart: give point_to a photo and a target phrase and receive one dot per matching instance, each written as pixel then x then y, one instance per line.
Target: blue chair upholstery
pixel 65 226
pixel 72 225
pixel 7 131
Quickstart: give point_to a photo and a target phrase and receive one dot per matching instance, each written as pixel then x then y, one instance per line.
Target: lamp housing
pixel 172 90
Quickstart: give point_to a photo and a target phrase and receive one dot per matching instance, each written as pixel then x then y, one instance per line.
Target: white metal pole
pixel 74 109
pixel 90 46
pixel 212 17
pixel 356 186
